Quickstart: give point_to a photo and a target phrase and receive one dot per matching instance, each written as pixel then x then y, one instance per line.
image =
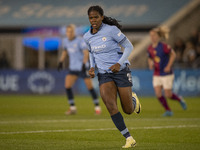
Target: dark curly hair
pixel 106 20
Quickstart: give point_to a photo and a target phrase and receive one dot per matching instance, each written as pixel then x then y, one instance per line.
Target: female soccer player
pixel 77 50
pixel 161 58
pixel 114 76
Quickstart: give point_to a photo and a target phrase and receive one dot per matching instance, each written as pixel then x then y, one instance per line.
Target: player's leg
pixel 129 101
pixel 108 93
pixel 168 84
pixel 69 82
pixel 158 85
pixel 161 98
pixel 88 83
pixel 163 101
pixel 125 94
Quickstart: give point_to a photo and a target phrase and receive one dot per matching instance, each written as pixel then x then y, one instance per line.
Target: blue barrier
pixel 187 82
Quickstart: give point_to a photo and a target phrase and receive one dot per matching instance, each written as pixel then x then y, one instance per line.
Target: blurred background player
pixel 78 53
pixel 114 75
pixel 161 59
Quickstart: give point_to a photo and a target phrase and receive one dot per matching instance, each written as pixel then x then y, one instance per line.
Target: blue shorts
pixel 81 74
pixel 122 78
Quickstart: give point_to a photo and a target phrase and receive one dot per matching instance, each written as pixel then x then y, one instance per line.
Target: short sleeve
pixel 117 35
pixel 83 45
pixel 167 49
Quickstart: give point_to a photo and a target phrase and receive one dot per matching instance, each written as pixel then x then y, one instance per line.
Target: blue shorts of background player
pixel 82 74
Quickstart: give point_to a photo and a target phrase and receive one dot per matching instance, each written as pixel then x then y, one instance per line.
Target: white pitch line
pixel 99 120
pixel 100 129
pixel 53 121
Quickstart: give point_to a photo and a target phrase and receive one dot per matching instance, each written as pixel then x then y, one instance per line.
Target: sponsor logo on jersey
pixel 98 48
pixel 119 34
pixel 157 59
pixel 72 50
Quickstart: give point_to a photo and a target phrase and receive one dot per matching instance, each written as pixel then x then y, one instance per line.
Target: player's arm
pixel 92 66
pixel 63 56
pixel 85 50
pixel 85 56
pixel 90 57
pixel 172 57
pixel 85 59
pixel 150 63
pixel 128 47
pixel 121 39
pixel 61 60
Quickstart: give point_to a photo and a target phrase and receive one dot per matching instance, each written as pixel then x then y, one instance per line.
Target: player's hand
pixel 60 66
pixel 151 66
pixel 167 69
pixel 91 72
pixel 115 68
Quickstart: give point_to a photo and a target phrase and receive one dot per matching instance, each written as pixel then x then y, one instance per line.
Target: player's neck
pixel 71 39
pixel 155 44
pixel 94 31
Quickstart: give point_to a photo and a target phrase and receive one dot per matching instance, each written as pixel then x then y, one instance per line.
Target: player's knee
pixel 128 111
pixel 158 95
pixel 68 86
pixel 89 87
pixel 168 95
pixel 112 108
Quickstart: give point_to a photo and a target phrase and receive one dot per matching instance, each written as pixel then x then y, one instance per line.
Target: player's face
pixel 95 19
pixel 70 33
pixel 154 37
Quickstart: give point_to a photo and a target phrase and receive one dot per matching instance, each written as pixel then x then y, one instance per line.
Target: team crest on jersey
pixel 104 39
pixel 157 59
pixel 155 52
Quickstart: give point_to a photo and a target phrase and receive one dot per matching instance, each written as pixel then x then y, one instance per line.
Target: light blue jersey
pixel 104 47
pixel 75 51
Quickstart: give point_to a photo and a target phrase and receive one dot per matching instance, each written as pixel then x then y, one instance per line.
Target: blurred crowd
pixel 188 51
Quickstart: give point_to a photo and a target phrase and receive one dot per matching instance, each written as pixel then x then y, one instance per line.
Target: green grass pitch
pixel 38 123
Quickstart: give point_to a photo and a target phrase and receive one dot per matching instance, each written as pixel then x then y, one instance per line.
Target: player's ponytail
pixel 162 31
pixel 112 21
pixel 106 20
